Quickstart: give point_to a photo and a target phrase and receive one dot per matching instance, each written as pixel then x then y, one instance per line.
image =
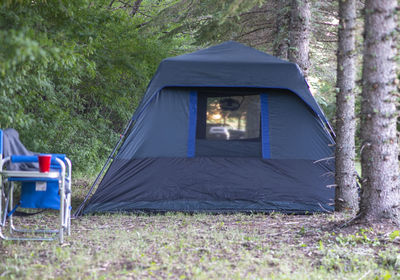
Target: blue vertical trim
pixel 191 149
pixel 1 143
pixel 265 143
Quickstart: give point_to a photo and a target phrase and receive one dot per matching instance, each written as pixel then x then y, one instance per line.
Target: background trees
pixel 72 72
pixel 345 177
pixel 299 34
pixel 379 157
pixel 282 21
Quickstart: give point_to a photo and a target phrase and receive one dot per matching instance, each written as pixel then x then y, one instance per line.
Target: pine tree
pixel 379 152
pixel 299 34
pixel 281 42
pixel 346 188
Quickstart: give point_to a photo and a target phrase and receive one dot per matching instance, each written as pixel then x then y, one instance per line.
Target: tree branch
pixel 326 23
pixel 135 8
pixel 111 3
pixel 250 32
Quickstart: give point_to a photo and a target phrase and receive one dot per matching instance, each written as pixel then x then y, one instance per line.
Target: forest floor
pixel 204 246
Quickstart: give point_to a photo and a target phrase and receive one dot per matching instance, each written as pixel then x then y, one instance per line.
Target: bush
pixel 71 75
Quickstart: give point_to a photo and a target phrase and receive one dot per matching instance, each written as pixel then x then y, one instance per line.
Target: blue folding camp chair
pixel 38 190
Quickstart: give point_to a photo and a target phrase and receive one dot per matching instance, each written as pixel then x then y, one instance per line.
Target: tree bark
pixel 299 34
pixel 346 196
pixel 135 8
pixel 281 43
pixel 379 153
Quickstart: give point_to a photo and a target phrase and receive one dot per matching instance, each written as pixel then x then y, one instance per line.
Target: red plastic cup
pixel 44 163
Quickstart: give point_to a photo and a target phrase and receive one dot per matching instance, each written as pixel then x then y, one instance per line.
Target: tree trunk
pixel 135 8
pixel 346 196
pixel 379 153
pixel 281 43
pixel 299 34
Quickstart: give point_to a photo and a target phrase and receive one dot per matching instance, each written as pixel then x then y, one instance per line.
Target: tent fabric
pixel 161 131
pixel 215 184
pixel 229 64
pixel 281 161
pixel 216 148
pixel 294 130
pixel 167 129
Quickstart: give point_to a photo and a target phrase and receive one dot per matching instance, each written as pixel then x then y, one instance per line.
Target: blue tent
pixel 223 129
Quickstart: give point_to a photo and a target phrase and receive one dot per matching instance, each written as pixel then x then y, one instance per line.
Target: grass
pixel 201 246
pixel 358 167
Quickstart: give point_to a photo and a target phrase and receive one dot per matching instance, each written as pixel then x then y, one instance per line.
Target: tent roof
pixel 229 64
pixel 230 52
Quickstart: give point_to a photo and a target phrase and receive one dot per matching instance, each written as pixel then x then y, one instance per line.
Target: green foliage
pixel 394 235
pixel 206 21
pixel 325 98
pixel 71 75
pixel 360 237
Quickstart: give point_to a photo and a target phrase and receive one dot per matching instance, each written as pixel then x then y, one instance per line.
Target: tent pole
pixel 78 212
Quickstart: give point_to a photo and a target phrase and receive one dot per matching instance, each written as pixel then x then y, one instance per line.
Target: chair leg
pixel 62 212
pixel 10 206
pixel 9 194
pixel 69 214
pixel 3 210
pixel 6 200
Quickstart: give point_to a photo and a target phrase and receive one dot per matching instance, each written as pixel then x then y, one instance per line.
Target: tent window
pixel 228 125
pixel 230 118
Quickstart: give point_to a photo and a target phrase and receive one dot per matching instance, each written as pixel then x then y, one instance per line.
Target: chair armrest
pixel 21 159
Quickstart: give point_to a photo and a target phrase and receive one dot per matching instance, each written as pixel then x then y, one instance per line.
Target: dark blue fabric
pixel 207 206
pixel 266 153
pixel 231 148
pixel 229 64
pixel 162 130
pixel 235 183
pixel 192 124
pixel 294 131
